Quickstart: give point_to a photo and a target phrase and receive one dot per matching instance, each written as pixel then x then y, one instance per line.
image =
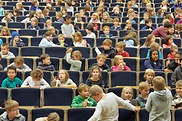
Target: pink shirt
pixel 118 68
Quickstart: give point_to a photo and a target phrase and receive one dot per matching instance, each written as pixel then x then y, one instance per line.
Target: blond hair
pixel 10 104
pixel 77 54
pixel 149 71
pixel 82 87
pixel 37 74
pixel 143 85
pixel 116 59
pixel 124 91
pixel 154 46
pixel 101 56
pixel 53 117
pixel 105 27
pixel 107 42
pixel 66 73
pixel 159 83
pixel 79 34
pixel 19 60
pixel 35 20
pixel 179 83
pixel 95 89
pixel 121 44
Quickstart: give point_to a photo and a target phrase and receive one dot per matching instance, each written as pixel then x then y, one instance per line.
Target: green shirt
pixel 78 102
pixel 8 83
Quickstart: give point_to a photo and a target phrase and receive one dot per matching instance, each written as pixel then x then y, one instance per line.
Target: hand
pixel 150 29
pixel 69 50
pixel 36 86
pixel 85 103
pixel 135 110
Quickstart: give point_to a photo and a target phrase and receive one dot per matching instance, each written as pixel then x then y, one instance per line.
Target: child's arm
pixel 174 77
pixel 71 61
pixel 76 103
pixel 72 30
pixel 71 85
pixel 26 68
pixel 126 68
pixel 97 113
pixel 116 68
pixel 148 105
pixel 26 82
pixel 4 84
pixel 44 84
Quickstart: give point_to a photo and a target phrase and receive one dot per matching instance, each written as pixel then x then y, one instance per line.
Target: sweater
pixel 33 27
pixel 158 105
pixel 8 83
pixel 106 36
pixel 172 65
pixel 31 83
pixel 104 67
pixel 8 55
pixel 46 67
pixel 118 68
pixel 68 82
pixel 4 117
pixel 124 54
pixel 159 32
pixel 116 28
pixel 147 28
pixel 107 108
pixel 90 82
pixel 23 68
pixel 110 53
pixel 47 43
pixel 153 65
pixel 78 102
pixel 141 101
pixel 177 101
pixel 176 75
pixel 75 64
pixel 67 30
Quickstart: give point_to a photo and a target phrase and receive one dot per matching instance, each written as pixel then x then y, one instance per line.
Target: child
pixel 7 18
pixel 11 81
pixel 149 75
pixel 34 6
pixel 149 40
pixel 127 95
pixel 131 39
pixel 145 17
pixel 95 18
pixel 78 41
pixel 19 64
pixel 119 64
pixel 153 62
pixel 59 18
pixel 116 12
pixel 95 77
pixel 12 112
pixel 78 18
pixel 40 16
pixel 50 7
pixel 64 80
pixel 177 101
pixel 173 51
pixel 109 51
pixel 52 30
pixel 29 17
pixel 48 23
pixel 1 9
pixel 5 53
pixel 16 41
pixel 20 7
pixel 154 46
pixel 35 80
pixel 34 24
pixel 106 17
pixel 116 25
pixel 67 28
pixel 162 30
pixel 131 15
pixel 106 31
pixel 101 59
pixel 159 102
pixel 83 99
pixel 107 106
pixel 129 25
pixel 148 25
pixel 45 63
pixel 75 61
pixel 120 46
pixel 61 40
pixel 144 92
pixel 64 11
pixel 47 40
pixel 5 31
pixel 90 31
pixel 168 42
pixel 15 12
pixel 82 13
pixel 51 117
pixel 69 6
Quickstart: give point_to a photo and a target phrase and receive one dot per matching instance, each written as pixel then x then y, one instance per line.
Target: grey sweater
pixel 177 75
pixel 67 30
pixel 158 105
pixel 3 117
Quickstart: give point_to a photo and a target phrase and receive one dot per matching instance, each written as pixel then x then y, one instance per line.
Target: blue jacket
pixel 147 27
pixel 118 28
pixel 33 27
pixel 103 35
pixel 153 65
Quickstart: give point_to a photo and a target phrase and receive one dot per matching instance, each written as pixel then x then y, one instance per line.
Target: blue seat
pixel 57 25
pixel 143 115
pixel 144 33
pixel 122 33
pixel 131 63
pixel 44 112
pixel 99 41
pixel 55 51
pixel 81 114
pixel 27 32
pixel 157 73
pixel 35 41
pixel 94 54
pixel 31 51
pixel 3 23
pixel 12 3
pixel 40 24
pixel 91 61
pixel 108 24
pixel 143 52
pixel 20 18
pixel 41 32
pixel 132 51
pixel 3 62
pixel 114 33
pixel 123 78
pixel 169 80
pixel 90 41
pixel 17 25
pixel 105 77
pixel 4 96
pixel 177 115
pixel 63 96
pixel 84 50
pixel 8 7
pixel 33 98
pixel 126 115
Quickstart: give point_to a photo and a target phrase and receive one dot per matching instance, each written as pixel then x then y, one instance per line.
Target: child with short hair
pixel 1 9
pixel 159 102
pixel 144 92
pixel 59 18
pixel 116 12
pixel 154 46
pixel 51 117
pixel 11 81
pixel 45 63
pixel 148 25
pixel 90 31
pixel 34 24
pixel 40 16
pixel 107 106
pixel 101 59
pixel 168 42
pixel 145 17
pixel 52 30
pixel 116 25
pixel 120 46
pixel 78 41
pixel 106 32
pixel 19 64
pixel 34 6
pixel 47 40
pixel 149 75
pixel 75 61
pixel 95 77
pixel 129 25
pixel 63 80
pixel 61 41
pixel 35 80
pixel 48 23
pixel 16 41
pixel 5 53
pixel 173 51
pixel 119 64
pixel 83 99
pixel 12 112
pixel 7 18
pixel 95 18
pixel 109 51
pixel 127 95
pixel 177 100
pixel 67 28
